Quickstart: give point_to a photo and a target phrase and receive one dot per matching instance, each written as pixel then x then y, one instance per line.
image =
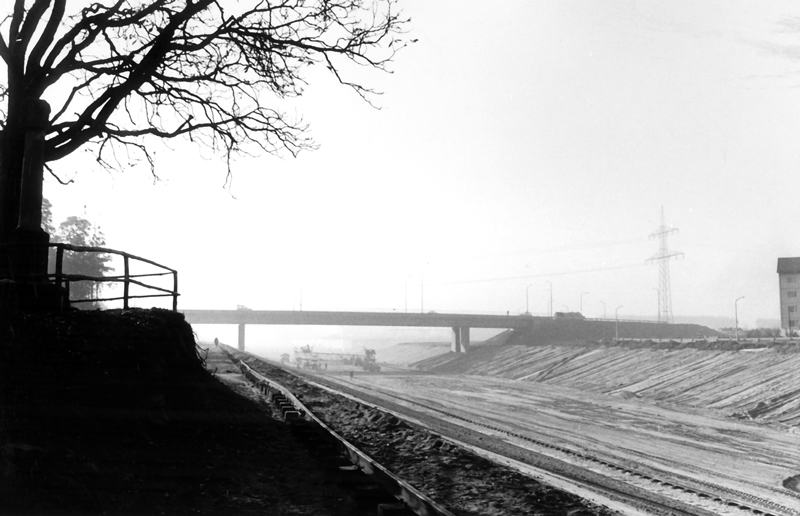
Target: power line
pixel 662 257
pixel 542 275
pixel 581 246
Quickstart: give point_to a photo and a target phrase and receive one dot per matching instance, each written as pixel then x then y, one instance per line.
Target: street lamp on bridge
pixel 616 324
pixel 736 315
pixel 527 299
pixel 405 292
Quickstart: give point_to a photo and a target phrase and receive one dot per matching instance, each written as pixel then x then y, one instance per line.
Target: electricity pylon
pixel 663 256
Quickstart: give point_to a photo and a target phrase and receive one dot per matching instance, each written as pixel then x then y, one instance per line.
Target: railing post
pixel 63 297
pixel 126 284
pixel 174 291
pixel 59 265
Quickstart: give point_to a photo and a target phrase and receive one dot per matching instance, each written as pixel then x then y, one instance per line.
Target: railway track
pixel 365 473
pixel 704 498
pixel 701 489
pixel 704 491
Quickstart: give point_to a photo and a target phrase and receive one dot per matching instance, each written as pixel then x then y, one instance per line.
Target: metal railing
pixel 62 279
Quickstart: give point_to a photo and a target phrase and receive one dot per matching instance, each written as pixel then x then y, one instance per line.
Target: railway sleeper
pixel 352 476
pixel 292 415
pixel 287 407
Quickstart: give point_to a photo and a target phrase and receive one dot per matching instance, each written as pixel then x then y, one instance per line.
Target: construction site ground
pixel 728 416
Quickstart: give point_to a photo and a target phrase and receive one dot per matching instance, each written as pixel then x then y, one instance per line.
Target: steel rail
pixel 416 501
pixel 603 488
pixel 739 499
pixel 685 484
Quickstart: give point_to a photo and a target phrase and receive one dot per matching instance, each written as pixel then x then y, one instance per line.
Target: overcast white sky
pixel 529 143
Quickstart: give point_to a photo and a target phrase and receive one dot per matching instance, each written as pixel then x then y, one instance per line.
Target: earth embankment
pixel 546 331
pixel 115 412
pixel 760 383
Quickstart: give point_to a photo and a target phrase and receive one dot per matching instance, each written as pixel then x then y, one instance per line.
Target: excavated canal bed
pixel 451 475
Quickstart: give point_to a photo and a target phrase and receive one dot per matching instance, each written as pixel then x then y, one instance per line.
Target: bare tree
pixel 118 72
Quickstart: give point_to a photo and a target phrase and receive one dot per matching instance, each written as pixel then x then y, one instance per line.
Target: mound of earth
pixel 406 353
pixel 115 413
pixel 551 331
pixel 760 383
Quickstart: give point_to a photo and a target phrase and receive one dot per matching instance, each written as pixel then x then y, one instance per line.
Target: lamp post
pixel 658 316
pixel 406 292
pixel 604 308
pixel 581 305
pixel 527 299
pixel 736 315
pixel 421 292
pixel 551 298
pixel 616 323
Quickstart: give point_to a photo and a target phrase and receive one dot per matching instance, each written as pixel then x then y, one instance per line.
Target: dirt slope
pixel 547 331
pixel 757 383
pixel 410 352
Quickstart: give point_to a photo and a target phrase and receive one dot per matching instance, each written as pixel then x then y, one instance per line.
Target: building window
pixel 792 309
pixel 791 293
pixel 790 279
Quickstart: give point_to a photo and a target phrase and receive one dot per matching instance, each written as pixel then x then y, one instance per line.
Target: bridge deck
pixel 358 319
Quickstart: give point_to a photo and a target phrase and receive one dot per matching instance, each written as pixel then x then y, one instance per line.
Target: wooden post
pixel 59 265
pixel 126 284
pixel 29 240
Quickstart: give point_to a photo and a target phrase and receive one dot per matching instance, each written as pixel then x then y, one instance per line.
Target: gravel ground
pixel 457 478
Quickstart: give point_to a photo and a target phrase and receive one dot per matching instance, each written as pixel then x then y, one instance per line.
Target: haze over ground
pixel 529 143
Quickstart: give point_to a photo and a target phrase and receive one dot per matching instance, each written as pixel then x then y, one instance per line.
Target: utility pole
pixel 406 292
pixel 736 315
pixel 421 292
pixel 662 257
pixel 616 324
pixel 551 298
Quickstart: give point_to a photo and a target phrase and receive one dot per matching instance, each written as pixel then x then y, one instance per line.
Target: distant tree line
pixel 78 231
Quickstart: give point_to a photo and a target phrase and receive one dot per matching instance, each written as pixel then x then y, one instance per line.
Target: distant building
pixel 789 285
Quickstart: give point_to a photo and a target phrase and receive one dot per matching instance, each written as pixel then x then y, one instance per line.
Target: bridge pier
pixel 459 343
pixel 241 337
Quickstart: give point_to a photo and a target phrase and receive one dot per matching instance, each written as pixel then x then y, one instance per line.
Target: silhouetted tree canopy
pixel 117 72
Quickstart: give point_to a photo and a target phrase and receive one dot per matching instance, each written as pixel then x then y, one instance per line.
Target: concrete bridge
pixel 460 323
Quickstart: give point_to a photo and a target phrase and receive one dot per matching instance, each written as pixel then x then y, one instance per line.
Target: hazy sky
pixel 531 143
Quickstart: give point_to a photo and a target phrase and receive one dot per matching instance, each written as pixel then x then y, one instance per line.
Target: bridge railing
pixel 64 279
pixel 646 321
